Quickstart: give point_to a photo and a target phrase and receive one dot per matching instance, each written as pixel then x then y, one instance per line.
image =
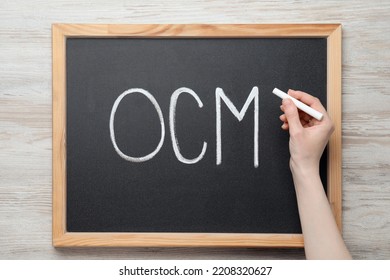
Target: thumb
pixel 291 112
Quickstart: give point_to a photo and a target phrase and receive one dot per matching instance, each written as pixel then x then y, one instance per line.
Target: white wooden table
pixel 26 131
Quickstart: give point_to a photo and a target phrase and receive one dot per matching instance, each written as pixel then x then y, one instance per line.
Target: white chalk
pixel 314 113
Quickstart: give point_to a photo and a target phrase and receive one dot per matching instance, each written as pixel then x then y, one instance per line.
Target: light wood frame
pixel 60 32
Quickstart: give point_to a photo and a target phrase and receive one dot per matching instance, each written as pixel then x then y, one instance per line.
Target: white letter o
pixel 160 115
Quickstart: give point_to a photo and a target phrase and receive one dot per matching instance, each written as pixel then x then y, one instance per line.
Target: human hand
pixel 308 136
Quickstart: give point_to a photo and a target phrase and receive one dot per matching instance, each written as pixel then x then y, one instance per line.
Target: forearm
pixel 321 235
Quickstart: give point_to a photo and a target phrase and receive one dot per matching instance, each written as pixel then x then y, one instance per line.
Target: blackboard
pixel 158 139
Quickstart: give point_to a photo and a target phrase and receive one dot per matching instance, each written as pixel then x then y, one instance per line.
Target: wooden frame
pixel 60 32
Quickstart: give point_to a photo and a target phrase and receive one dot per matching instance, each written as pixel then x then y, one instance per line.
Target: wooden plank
pixel 197 30
pixel 147 239
pixel 59 134
pixel 334 188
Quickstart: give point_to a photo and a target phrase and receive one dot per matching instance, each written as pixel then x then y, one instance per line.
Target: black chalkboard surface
pixel 169 135
pixel 108 193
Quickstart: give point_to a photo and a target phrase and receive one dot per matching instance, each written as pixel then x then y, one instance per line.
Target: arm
pixel 308 138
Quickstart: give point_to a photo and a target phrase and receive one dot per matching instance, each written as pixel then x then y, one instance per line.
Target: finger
pixel 307 99
pixel 285 126
pixel 281 108
pixel 283 118
pixel 291 113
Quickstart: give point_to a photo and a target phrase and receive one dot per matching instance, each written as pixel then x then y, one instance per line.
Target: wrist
pixel 304 170
pixel 306 177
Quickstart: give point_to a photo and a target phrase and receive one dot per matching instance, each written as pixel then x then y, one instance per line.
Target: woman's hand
pixel 308 136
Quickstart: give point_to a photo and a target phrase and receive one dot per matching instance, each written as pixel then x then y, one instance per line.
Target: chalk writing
pixel 172 114
pixel 254 95
pixel 112 118
pixel 219 95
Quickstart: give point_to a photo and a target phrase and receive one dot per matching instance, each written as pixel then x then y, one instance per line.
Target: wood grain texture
pixel 59 134
pixel 194 30
pixel 169 239
pixel 334 103
pixel 26 132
